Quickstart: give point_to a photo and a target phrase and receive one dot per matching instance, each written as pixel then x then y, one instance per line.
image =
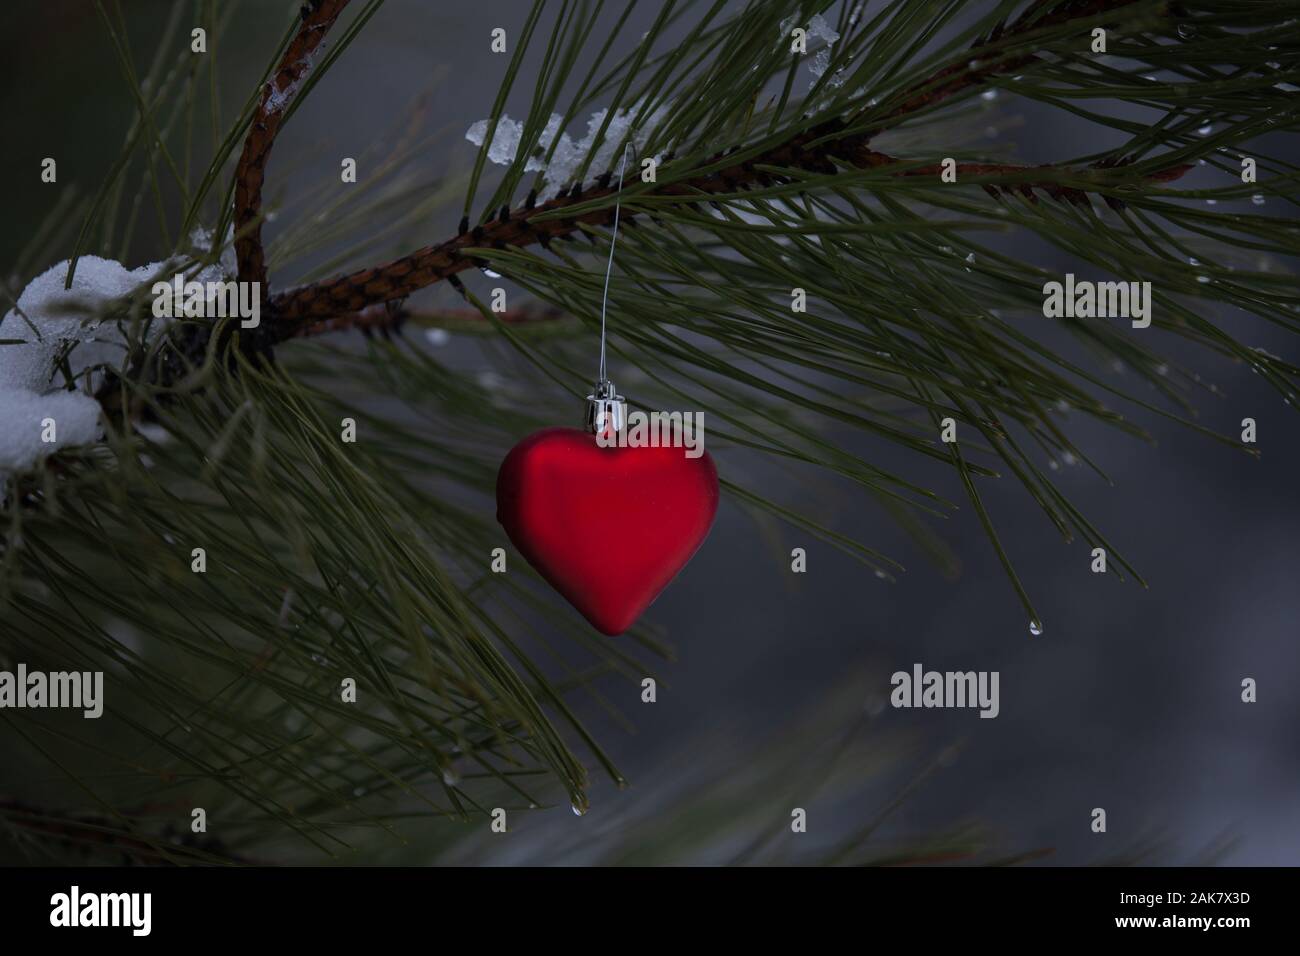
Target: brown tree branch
pixel 317 18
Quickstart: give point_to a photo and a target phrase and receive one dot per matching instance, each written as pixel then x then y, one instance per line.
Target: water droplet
pixel 1035 627
pixel 1211 202
pixel 319 660
pixel 882 575
pixel 490 273
pixel 578 810
pixel 437 337
pixel 1205 130
pixel 1203 279
pixel 1186 31
pixel 971 257
pixel 1200 162
pixel 989 95
pixel 1192 260
pixel 449 777
pixel 1162 369
pixel 1069 459
pixel 1257 199
pixel 1053 465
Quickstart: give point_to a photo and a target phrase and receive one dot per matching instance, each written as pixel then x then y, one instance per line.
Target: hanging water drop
pixel 490 273
pixel 578 810
pixel 1203 280
pixel 1205 130
pixel 1257 199
pixel 1035 627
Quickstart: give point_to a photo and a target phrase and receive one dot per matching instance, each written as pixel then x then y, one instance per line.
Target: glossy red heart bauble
pixel 609 528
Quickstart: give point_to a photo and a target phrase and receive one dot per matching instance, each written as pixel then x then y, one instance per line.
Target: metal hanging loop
pixel 606 409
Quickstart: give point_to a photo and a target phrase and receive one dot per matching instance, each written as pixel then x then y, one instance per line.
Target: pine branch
pixel 815 150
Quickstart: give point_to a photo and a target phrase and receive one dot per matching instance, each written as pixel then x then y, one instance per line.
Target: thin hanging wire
pixel 609 266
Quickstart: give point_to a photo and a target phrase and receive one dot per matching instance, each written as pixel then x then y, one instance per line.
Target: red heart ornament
pixel 608 528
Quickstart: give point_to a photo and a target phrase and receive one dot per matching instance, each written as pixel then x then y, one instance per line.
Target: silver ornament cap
pixel 606 410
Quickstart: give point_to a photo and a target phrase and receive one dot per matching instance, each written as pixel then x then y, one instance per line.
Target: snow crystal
pixel 820 29
pixel 569 155
pixel 279 99
pixel 505 140
pixel 51 325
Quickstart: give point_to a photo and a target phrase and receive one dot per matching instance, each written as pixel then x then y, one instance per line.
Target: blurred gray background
pixel 1130 700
